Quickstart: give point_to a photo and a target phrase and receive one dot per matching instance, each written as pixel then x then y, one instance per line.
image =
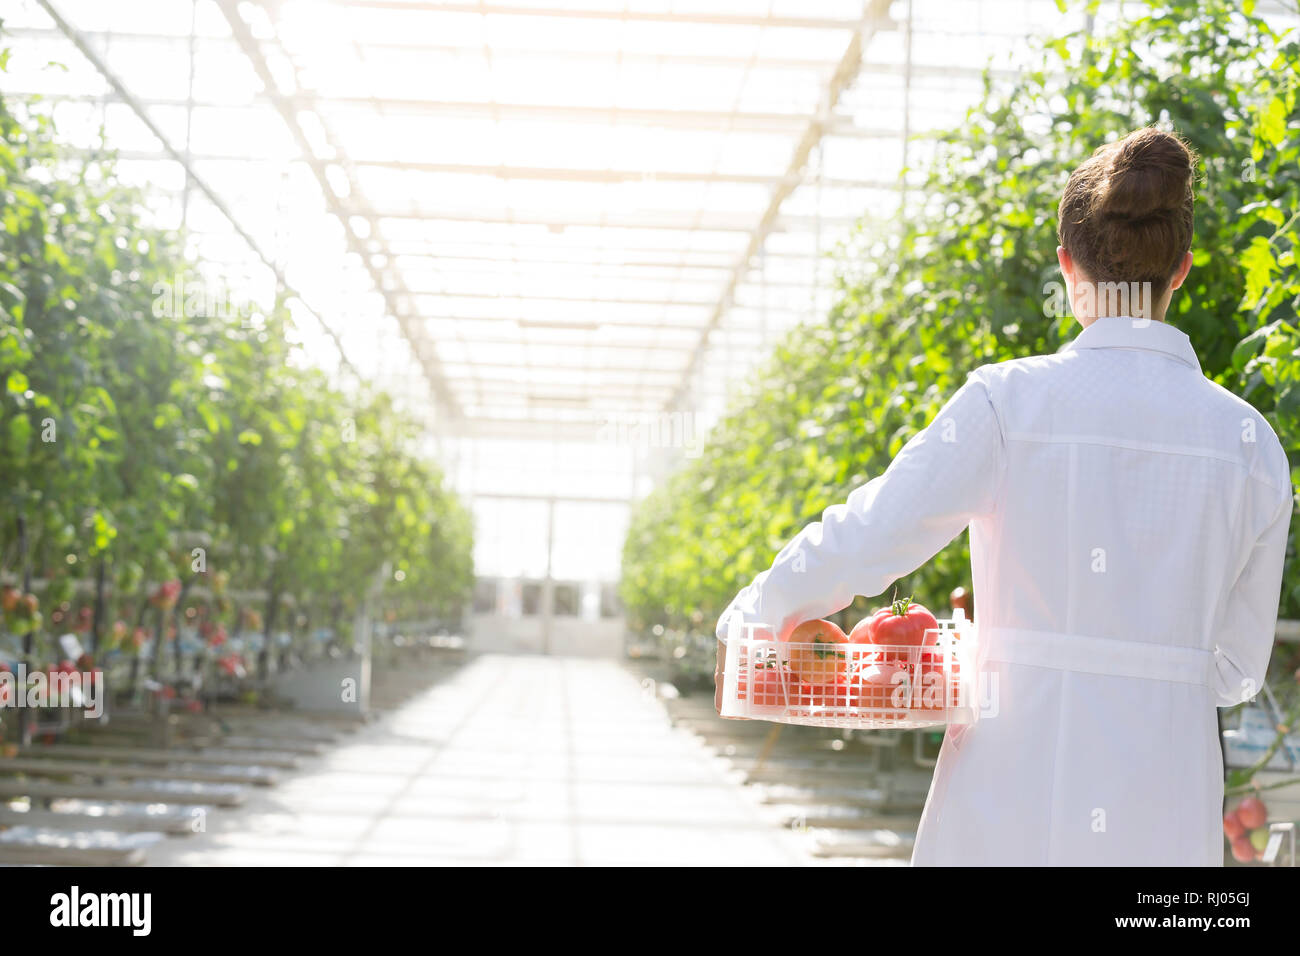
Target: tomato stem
pixel 901 605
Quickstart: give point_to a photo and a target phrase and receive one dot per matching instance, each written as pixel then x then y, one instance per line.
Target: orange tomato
pixel 813 655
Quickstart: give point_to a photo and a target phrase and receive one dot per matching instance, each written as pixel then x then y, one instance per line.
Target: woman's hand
pixel 717 677
pixel 718 673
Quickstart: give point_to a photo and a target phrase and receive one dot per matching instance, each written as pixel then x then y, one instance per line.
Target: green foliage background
pixel 963 280
pixel 176 430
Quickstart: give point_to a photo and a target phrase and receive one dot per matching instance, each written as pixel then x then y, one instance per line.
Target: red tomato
pixel 1242 851
pixel 882 684
pixel 1252 813
pixel 933 689
pixel 769 687
pixel 861 661
pixel 814 658
pixel 1232 827
pixel 902 623
pixel 823 695
pixel 940 672
pixel 861 633
pixel 932 659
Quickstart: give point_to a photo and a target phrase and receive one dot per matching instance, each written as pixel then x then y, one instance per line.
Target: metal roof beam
pixel 507 386
pixel 425 354
pixel 621 16
pixel 688 222
pixel 525 429
pixel 142 113
pixel 780 123
pixel 595 300
pixel 845 72
pixel 618 176
pixel 538 173
pixel 603 324
pixel 757 60
pixel 541 496
pixel 660 57
pixel 524 368
pixel 580 325
pixel 439 266
pixel 518 251
pixel 638 349
pixel 777 123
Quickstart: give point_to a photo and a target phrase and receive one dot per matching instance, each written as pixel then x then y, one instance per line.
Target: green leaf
pixel 1259 265
pixel 209 417
pixel 1249 347
pixel 20 434
pixel 1272 121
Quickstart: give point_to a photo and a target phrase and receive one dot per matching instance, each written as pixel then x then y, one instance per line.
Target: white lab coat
pixel 1128 525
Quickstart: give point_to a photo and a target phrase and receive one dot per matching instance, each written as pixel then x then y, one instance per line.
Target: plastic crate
pixel 872 686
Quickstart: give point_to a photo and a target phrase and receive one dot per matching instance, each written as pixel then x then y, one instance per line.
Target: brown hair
pixel 1126 213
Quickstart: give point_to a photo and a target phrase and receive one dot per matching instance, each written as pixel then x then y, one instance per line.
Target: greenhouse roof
pixel 524 218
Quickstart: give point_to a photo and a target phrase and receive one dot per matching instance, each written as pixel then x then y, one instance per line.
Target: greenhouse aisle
pixel 512 760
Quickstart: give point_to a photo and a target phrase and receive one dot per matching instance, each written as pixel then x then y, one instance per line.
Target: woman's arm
pixel 946 475
pixel 1249 621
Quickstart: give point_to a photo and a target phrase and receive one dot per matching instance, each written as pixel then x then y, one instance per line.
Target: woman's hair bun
pixel 1149 173
pixel 1126 213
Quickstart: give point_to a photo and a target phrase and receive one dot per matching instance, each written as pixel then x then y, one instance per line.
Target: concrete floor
pixel 516 760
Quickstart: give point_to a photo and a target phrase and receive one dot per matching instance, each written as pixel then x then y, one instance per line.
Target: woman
pixel 1128 523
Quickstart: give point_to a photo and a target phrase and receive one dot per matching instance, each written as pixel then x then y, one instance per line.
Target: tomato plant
pixel 173 459
pixel 968 275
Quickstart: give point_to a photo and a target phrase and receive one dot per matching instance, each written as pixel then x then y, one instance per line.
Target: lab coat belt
pixel 1097 655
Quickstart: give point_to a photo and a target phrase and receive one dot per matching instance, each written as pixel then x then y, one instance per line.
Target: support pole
pixel 548 585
